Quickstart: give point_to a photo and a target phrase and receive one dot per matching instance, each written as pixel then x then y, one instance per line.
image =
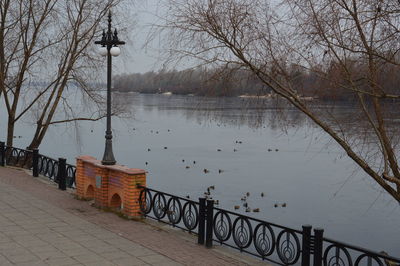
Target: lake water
pixel 315 179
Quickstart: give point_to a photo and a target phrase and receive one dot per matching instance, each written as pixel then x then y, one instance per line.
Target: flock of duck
pixel 245 204
pixel 207 193
pixel 247 207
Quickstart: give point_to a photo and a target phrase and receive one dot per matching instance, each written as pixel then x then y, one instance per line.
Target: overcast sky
pixel 134 58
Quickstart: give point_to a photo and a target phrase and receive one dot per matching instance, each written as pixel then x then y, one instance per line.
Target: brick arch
pixel 115 201
pixel 90 192
pixel 108 180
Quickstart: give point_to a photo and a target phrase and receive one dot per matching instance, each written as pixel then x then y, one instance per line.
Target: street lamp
pixel 109 47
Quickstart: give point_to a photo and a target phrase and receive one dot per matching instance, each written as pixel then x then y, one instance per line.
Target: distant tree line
pixel 199 81
pixel 329 82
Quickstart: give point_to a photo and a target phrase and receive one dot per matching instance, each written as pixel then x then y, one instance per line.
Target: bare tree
pixel 356 39
pixel 44 52
pixel 22 23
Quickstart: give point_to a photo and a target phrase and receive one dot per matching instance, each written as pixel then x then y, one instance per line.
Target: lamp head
pixel 115 51
pixel 103 50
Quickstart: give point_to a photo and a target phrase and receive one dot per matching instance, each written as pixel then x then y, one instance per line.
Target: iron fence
pixel 268 241
pixel 265 240
pixel 49 167
pixel 176 211
pixel 39 164
pixel 339 253
pixel 18 157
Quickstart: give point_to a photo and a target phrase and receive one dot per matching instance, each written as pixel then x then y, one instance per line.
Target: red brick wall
pixel 115 179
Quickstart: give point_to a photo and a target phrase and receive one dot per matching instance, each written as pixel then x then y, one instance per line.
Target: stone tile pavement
pixel 41 225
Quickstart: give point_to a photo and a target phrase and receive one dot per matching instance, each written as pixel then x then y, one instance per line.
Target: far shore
pixel 265 96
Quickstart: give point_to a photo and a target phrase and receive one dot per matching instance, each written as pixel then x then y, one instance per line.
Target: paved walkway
pixel 41 225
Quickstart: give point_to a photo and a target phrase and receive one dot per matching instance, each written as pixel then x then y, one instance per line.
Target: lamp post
pixel 109 47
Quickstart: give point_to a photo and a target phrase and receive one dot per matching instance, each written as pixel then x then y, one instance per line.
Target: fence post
pixel 62 174
pixel 305 254
pixel 2 153
pixel 35 162
pixel 318 246
pixel 209 223
pixel 202 219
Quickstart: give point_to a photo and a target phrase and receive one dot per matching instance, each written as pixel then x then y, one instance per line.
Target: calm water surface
pixel 319 184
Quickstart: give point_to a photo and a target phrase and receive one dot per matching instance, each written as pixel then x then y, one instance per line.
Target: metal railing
pixel 339 253
pixel 56 170
pixel 267 241
pixel 176 211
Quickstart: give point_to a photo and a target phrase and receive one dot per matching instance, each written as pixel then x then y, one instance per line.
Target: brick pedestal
pixel 111 186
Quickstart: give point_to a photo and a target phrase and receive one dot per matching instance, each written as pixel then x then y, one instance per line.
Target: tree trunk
pixel 34 144
pixel 10 130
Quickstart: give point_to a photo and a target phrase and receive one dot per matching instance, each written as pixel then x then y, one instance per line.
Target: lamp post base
pixel 108 157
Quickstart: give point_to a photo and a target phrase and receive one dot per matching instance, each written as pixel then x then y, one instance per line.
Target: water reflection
pixel 231 111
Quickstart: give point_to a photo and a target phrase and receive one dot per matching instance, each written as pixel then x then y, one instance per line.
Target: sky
pixel 135 58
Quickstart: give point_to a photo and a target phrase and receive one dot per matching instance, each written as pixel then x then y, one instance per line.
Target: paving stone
pixel 31 263
pixel 67 244
pixel 9 246
pixel 4 260
pixel 166 263
pixel 115 255
pixel 46 248
pixel 25 238
pixel 88 257
pixel 123 243
pixel 32 226
pixel 54 239
pixel 22 257
pixel 10 228
pixel 6 263
pixel 100 263
pixel 60 261
pixel 129 262
pixel 74 251
pixel 47 220
pixel 103 248
pixel 4 239
pixel 45 255
pixel 27 223
pixel 15 233
pixel 41 225
pixel 137 252
pixel 6 223
pixel 32 243
pixel 105 235
pixel 82 237
pixel 39 231
pixel 65 230
pixel 157 258
pixel 90 243
pixel 14 251
pixel 57 225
